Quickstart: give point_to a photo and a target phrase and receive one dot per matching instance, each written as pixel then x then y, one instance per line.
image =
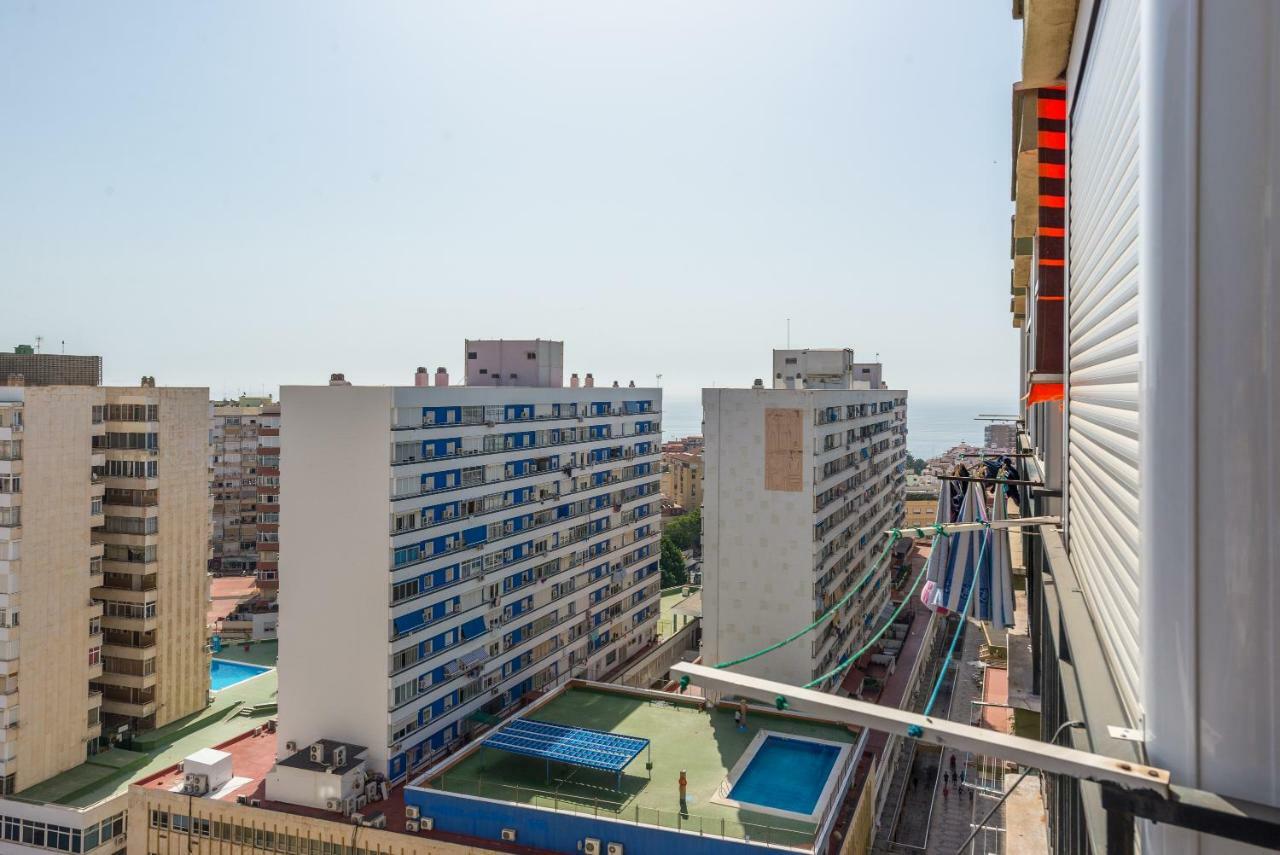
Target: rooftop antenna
pixel 39 341
pixel 788 333
pixel 659 381
pixel 64 346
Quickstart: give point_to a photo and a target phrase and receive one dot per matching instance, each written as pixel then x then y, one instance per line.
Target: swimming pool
pixel 786 774
pixel 224 673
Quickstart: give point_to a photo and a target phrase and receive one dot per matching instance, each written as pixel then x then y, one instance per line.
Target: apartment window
pixel 529 355
pixel 95 655
pixel 132 525
pixel 405 522
pixel 10 449
pixel 471 354
pixel 405 591
pixel 95 626
pixel 404 659
pixel 10 516
pixel 95 506
pixel 404 692
pixel 10 484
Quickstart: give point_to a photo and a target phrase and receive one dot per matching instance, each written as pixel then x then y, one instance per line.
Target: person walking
pixel 946 791
pixel 742 709
pixel 684 792
pixel 953 765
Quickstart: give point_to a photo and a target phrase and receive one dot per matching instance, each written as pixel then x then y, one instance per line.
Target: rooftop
pixel 682 735
pixel 109 773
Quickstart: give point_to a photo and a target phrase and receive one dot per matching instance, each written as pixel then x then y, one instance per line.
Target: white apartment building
pixel 800 482
pixel 446 549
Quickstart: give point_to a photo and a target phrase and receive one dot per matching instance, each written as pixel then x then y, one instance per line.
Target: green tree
pixel 671 564
pixel 915 464
pixel 686 530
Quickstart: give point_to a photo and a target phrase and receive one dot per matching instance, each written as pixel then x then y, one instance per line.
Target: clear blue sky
pixel 242 195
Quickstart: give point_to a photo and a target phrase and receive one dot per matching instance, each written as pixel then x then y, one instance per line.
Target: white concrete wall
pixel 310 788
pixel 334 605
pixel 497 359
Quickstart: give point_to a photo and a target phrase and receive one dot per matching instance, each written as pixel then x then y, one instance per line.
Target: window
pixel 95 626
pixel 95 655
pixel 529 355
pixel 471 354
pixel 404 591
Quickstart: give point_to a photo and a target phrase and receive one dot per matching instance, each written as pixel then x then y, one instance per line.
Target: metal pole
pixel 1024 774
pixel 953 528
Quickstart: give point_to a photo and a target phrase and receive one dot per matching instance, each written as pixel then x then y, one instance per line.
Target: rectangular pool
pixel 224 673
pixel 786 775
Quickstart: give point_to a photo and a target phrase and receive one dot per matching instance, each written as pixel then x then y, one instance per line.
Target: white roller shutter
pixel 1102 339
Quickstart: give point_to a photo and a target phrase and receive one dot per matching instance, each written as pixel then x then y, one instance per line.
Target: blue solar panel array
pixel 578 746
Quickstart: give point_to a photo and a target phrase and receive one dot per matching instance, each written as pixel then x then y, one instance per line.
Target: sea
pixel 933 424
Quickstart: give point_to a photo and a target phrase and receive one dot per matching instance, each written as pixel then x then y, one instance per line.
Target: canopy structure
pixel 577 746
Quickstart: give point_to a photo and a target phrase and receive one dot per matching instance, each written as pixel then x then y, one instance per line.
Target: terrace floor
pixel 109 773
pixel 705 744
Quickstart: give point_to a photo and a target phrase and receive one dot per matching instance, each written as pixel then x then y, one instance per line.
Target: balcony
pixel 138 623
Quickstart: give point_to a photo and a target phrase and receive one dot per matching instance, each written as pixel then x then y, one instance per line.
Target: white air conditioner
pixel 255 802
pixel 591 846
pixel 410 812
pixel 291 746
pixel 614 849
pixel 361 801
pixel 410 825
pixel 357 818
pixel 509 835
pixel 427 823
pixel 333 804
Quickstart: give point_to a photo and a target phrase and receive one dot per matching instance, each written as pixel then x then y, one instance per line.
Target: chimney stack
pixel 759 384
pixel 148 382
pixel 338 380
pixel 573 381
pixel 442 376
pixel 590 382
pixel 420 377
pixel 631 384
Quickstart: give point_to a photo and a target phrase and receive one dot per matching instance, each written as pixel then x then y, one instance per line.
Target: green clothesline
pixel 852 657
pixel 825 616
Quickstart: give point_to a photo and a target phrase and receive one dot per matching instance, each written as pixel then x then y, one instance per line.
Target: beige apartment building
pixel 246 481
pixel 682 478
pixel 103 548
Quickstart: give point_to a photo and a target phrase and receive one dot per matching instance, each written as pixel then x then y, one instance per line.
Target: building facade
pixel 800 485
pixel 472 543
pixel 246 480
pixel 682 479
pixel 1144 288
pixel 1001 436
pixel 103 545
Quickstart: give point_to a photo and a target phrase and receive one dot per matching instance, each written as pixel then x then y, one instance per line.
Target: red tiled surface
pixel 995 690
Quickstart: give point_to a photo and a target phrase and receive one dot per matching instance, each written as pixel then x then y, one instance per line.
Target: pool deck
pixel 109 773
pixel 705 744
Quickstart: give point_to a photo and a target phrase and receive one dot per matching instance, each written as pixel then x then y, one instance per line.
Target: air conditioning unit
pixel 509 835
pixel 372 791
pixel 410 812
pixel 614 849
pixel 340 756
pixel 427 823
pixel 196 783
pixel 410 825
pixel 255 802
pixel 357 819
pixel 361 801
pixel 591 846
pixel 242 800
pixel 317 752
pixel 291 746
pixel 333 804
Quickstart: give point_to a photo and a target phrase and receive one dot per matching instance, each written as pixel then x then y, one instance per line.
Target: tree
pixel 686 530
pixel 915 464
pixel 671 564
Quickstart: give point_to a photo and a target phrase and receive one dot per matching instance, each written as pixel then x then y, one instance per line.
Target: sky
pixel 243 195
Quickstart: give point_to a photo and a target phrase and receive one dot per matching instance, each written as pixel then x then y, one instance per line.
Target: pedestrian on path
pixel 953 765
pixel 946 777
pixel 946 791
pixel 684 787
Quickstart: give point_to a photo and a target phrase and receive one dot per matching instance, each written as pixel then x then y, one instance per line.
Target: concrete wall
pixel 334 593
pixel 757 544
pixel 498 359
pixel 54 584
pixel 309 787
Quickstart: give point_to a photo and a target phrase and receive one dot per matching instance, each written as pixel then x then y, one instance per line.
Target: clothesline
pixel 956 528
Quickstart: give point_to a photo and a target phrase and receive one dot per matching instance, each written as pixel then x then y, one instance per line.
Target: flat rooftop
pixel 705 743
pixel 109 773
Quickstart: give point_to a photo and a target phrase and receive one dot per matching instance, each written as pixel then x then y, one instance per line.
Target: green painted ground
pixel 669 620
pixel 259 653
pixel 110 772
pixel 706 745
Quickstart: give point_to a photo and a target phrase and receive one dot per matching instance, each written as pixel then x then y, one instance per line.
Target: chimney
pixel 338 380
pixel 16 380
pixel 615 384
pixel 442 376
pixel 420 377
pixel 148 382
pixel 573 382
pixel 759 384
pixel 590 382
pixel 631 384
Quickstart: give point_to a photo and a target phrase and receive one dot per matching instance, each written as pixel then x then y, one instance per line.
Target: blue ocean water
pixel 933 424
pixel 786 774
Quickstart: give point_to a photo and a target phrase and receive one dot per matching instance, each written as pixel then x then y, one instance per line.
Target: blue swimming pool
pixel 786 774
pixel 223 673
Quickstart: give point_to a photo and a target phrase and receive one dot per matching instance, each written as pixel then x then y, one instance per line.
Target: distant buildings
pixel 104 528
pixel 801 482
pixel 682 478
pixel 461 547
pixel 246 487
pixel 1002 436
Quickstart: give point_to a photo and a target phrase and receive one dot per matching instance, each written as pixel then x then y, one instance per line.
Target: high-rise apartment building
pixel 246 480
pixel 461 546
pixel 1001 435
pixel 801 482
pixel 103 545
